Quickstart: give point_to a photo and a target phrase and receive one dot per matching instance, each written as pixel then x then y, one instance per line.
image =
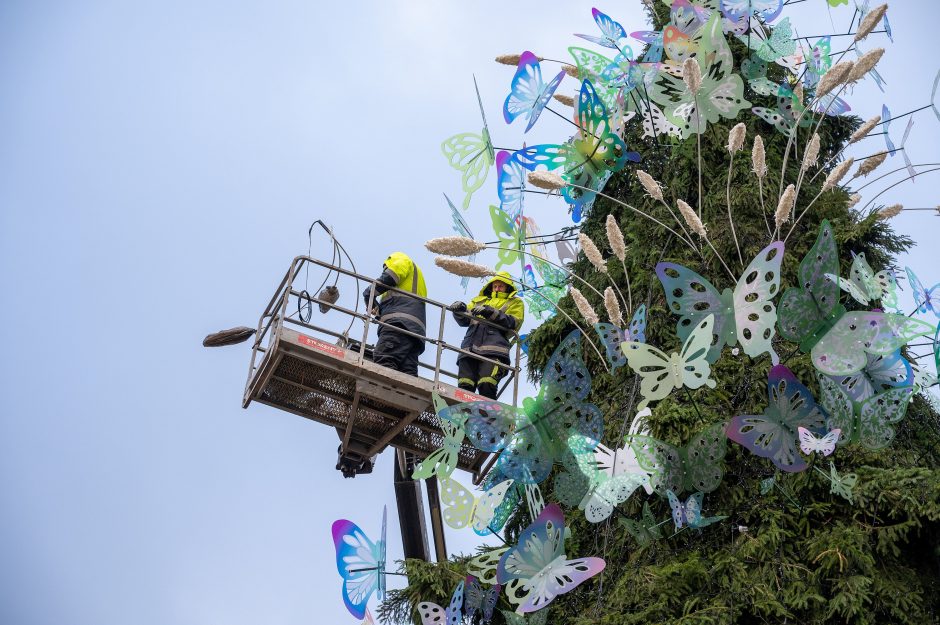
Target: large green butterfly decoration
pixel 471 154
pixel 694 467
pixel 869 425
pixel 722 91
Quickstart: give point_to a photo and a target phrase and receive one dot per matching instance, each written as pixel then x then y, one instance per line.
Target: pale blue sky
pixel 160 163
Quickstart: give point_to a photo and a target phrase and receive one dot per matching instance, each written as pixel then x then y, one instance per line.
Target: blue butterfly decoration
pixel 612 32
pixel 926 299
pixel 361 564
pixel 461 228
pixel 528 93
pixel 612 336
pixel 689 512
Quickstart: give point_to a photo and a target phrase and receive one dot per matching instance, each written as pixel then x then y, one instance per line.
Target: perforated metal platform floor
pixel 370 406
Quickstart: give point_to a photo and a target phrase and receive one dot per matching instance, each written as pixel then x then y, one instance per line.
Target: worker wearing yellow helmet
pixel 499 304
pixel 397 350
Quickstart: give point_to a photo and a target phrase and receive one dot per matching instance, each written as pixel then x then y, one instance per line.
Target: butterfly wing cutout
pixel 443 461
pixel 842 485
pixel 694 298
pixel 358 561
pixel 528 93
pixel 843 349
pixel 433 614
pixel 870 425
pixel 694 467
pixel 810 443
pixel 774 434
pixel 754 312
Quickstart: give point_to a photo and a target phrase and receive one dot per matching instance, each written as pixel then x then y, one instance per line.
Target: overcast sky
pixel 160 163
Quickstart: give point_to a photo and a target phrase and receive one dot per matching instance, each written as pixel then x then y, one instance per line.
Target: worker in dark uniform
pixel 498 303
pixel 396 350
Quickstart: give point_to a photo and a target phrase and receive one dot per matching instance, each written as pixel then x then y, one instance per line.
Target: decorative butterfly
pixel 679 39
pixel 510 183
pixel 612 32
pixel 644 531
pixel 540 563
pixel 589 156
pixel 789 110
pixel 612 336
pixel 922 378
pixel 754 70
pixel 538 618
pixel 774 434
pixel 870 424
pixel 485 565
pixel 864 285
pixel 841 485
pixel 721 94
pixel 462 509
pixel 746 315
pixel 510 233
pixel 926 299
pixel 892 148
pixel 361 563
pixel 818 61
pixel 593 490
pixel 461 228
pixel 689 513
pixel 528 93
pixel 471 154
pixel 660 373
pixel 873 72
pixel 933 95
pixel 738 11
pixel 442 462
pixel 838 341
pixel 479 599
pixel 542 431
pixel 433 614
pixel 694 467
pixel 825 445
pixel 880 373
pixel 778 45
pixel 623 461
pixel 592 66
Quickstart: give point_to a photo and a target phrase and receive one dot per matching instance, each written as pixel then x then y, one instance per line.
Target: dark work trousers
pixel 397 351
pixel 479 376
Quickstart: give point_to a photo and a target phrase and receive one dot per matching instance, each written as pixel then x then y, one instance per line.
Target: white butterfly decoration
pixel 463 509
pixel 534 500
pixel 824 445
pixel 433 614
pixel 622 461
pixel 661 373
pixel 864 285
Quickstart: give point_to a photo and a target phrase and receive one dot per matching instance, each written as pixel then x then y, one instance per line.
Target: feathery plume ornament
pixel 870 164
pixel 871 20
pixel 695 224
pixel 463 268
pixel 758 158
pixel 736 137
pixel 583 306
pixel 512 59
pixel 837 174
pixel 454 246
pixel 854 199
pixel 833 78
pixel 591 252
pixel 692 75
pixel 811 155
pixel 649 183
pixel 546 180
pixel 571 70
pixel 613 307
pixel 892 211
pixel 864 129
pixel 615 238
pixel 567 100
pixel 865 64
pixel 785 205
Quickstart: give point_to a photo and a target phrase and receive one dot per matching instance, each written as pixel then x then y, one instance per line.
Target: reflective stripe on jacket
pixel 398 309
pixel 485 339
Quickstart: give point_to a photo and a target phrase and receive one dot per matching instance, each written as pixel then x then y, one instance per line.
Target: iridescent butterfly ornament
pixel 529 94
pixel 838 341
pixel 361 564
pixel 551 427
pixel 433 614
pixel 775 433
pixel 746 315
pixel 612 336
pixel 689 512
pixel 539 562
pixel 471 154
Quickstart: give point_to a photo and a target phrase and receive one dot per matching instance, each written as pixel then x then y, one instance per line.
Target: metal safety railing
pixel 277 315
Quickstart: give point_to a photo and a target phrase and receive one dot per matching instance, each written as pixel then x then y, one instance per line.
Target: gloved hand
pixel 484 311
pixel 457 306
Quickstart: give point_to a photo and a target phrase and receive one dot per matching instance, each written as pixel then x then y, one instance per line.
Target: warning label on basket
pixel 317 344
pixel 462 395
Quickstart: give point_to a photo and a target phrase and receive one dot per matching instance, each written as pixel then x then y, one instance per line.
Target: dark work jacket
pixel 397 309
pixel 486 339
